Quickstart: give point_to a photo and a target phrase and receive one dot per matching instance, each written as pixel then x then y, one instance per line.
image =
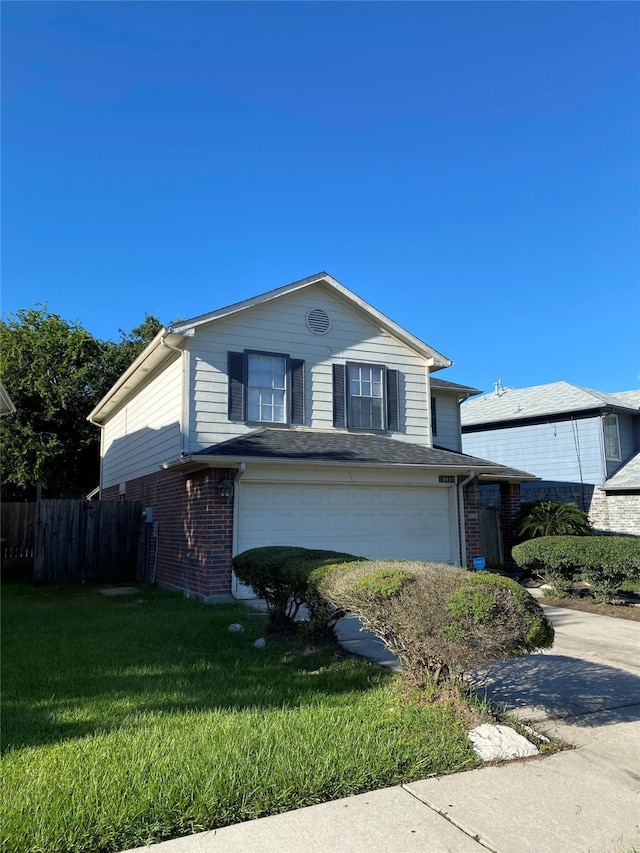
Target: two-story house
pixel 302 416
pixel 582 444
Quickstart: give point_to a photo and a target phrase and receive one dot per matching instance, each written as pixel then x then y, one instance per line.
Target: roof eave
pixel 193 462
pixel 153 355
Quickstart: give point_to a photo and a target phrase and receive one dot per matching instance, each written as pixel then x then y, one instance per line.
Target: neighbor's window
pixel 266 388
pixel 366 396
pixel 611 438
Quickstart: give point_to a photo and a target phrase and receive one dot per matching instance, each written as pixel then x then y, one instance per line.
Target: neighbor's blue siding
pixel 562 451
pixel 628 442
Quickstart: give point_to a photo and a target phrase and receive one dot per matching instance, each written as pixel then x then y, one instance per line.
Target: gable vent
pixel 318 321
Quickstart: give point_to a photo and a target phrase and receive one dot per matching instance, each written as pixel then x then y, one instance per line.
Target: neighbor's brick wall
pixel 615 514
pixel 194 529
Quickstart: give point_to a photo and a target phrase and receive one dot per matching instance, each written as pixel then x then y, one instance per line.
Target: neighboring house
pixel 582 444
pixel 304 417
pixel 7 406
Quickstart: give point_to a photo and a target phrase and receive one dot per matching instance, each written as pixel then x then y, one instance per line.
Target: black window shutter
pixel 236 361
pixel 393 417
pixel 434 419
pixel 297 391
pixel 339 397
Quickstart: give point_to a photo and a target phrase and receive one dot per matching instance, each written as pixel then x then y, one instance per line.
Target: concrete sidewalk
pixel 586 690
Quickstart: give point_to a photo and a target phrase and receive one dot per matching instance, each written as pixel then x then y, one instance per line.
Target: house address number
pixel 446 478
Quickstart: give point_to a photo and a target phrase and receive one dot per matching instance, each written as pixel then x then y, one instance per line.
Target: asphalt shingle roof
pixel 627 477
pixel 348 448
pixel 444 385
pixel 542 400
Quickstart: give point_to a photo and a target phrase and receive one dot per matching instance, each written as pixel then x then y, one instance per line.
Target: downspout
pixel 463 537
pixel 101 427
pixel 182 353
pixel 236 499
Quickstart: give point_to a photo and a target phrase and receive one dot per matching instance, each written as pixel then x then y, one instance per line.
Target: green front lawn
pixel 133 719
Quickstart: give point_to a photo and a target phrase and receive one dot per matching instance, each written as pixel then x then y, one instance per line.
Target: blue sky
pixel 470 169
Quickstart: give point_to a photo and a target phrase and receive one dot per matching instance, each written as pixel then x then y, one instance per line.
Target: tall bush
pixel 441 621
pixel 280 575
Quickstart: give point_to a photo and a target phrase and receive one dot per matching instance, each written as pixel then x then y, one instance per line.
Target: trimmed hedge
pixel 281 575
pixel 441 621
pixel 604 562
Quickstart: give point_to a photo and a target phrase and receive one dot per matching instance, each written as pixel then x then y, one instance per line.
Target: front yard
pixel 133 719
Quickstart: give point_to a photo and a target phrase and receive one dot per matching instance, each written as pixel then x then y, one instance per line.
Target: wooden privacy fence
pixel 17 530
pixel 77 540
pixel 491 536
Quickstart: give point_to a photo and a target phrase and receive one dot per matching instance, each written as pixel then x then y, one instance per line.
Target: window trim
pixel 614 421
pixel 238 388
pixel 287 388
pixel 382 398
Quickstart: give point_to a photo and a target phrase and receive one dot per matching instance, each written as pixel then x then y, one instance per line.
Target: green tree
pixel 128 348
pixel 56 372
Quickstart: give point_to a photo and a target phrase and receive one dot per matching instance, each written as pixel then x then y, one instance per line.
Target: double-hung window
pixel 365 397
pixel 611 438
pixel 265 388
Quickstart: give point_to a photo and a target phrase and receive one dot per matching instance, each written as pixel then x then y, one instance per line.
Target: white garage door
pixel 379 522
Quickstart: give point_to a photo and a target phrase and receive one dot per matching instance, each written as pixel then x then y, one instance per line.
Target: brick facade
pixel 188 546
pixel 509 512
pixel 615 513
pixel 471 525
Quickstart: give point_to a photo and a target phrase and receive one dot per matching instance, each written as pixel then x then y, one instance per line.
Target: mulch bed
pixel 618 611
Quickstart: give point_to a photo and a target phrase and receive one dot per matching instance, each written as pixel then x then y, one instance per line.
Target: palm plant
pixel 550 518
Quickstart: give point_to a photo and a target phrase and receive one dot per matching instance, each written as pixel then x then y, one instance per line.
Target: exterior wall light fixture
pixel 225 489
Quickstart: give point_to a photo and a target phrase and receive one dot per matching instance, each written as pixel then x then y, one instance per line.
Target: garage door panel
pixel 373 521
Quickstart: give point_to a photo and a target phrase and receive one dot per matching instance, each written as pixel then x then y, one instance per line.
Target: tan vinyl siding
pixel 146 431
pixel 280 327
pixel 447 422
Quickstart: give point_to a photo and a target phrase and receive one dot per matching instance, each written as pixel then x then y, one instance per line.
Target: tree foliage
pixel 55 372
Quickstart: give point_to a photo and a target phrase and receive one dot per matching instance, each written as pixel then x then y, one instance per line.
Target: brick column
pixel 509 511
pixel 471 524
pixel 208 528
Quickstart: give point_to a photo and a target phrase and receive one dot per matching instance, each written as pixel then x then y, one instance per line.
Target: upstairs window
pixel 365 397
pixel 611 438
pixel 265 388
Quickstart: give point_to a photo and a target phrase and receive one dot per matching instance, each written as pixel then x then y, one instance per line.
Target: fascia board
pixel 438 362
pixel 152 357
pixel 202 461
pixel 234 308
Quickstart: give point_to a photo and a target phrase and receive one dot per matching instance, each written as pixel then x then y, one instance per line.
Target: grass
pixel 128 720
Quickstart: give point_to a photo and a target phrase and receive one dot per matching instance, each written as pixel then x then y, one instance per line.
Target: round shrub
pixel 441 621
pixel 280 575
pixel 604 562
